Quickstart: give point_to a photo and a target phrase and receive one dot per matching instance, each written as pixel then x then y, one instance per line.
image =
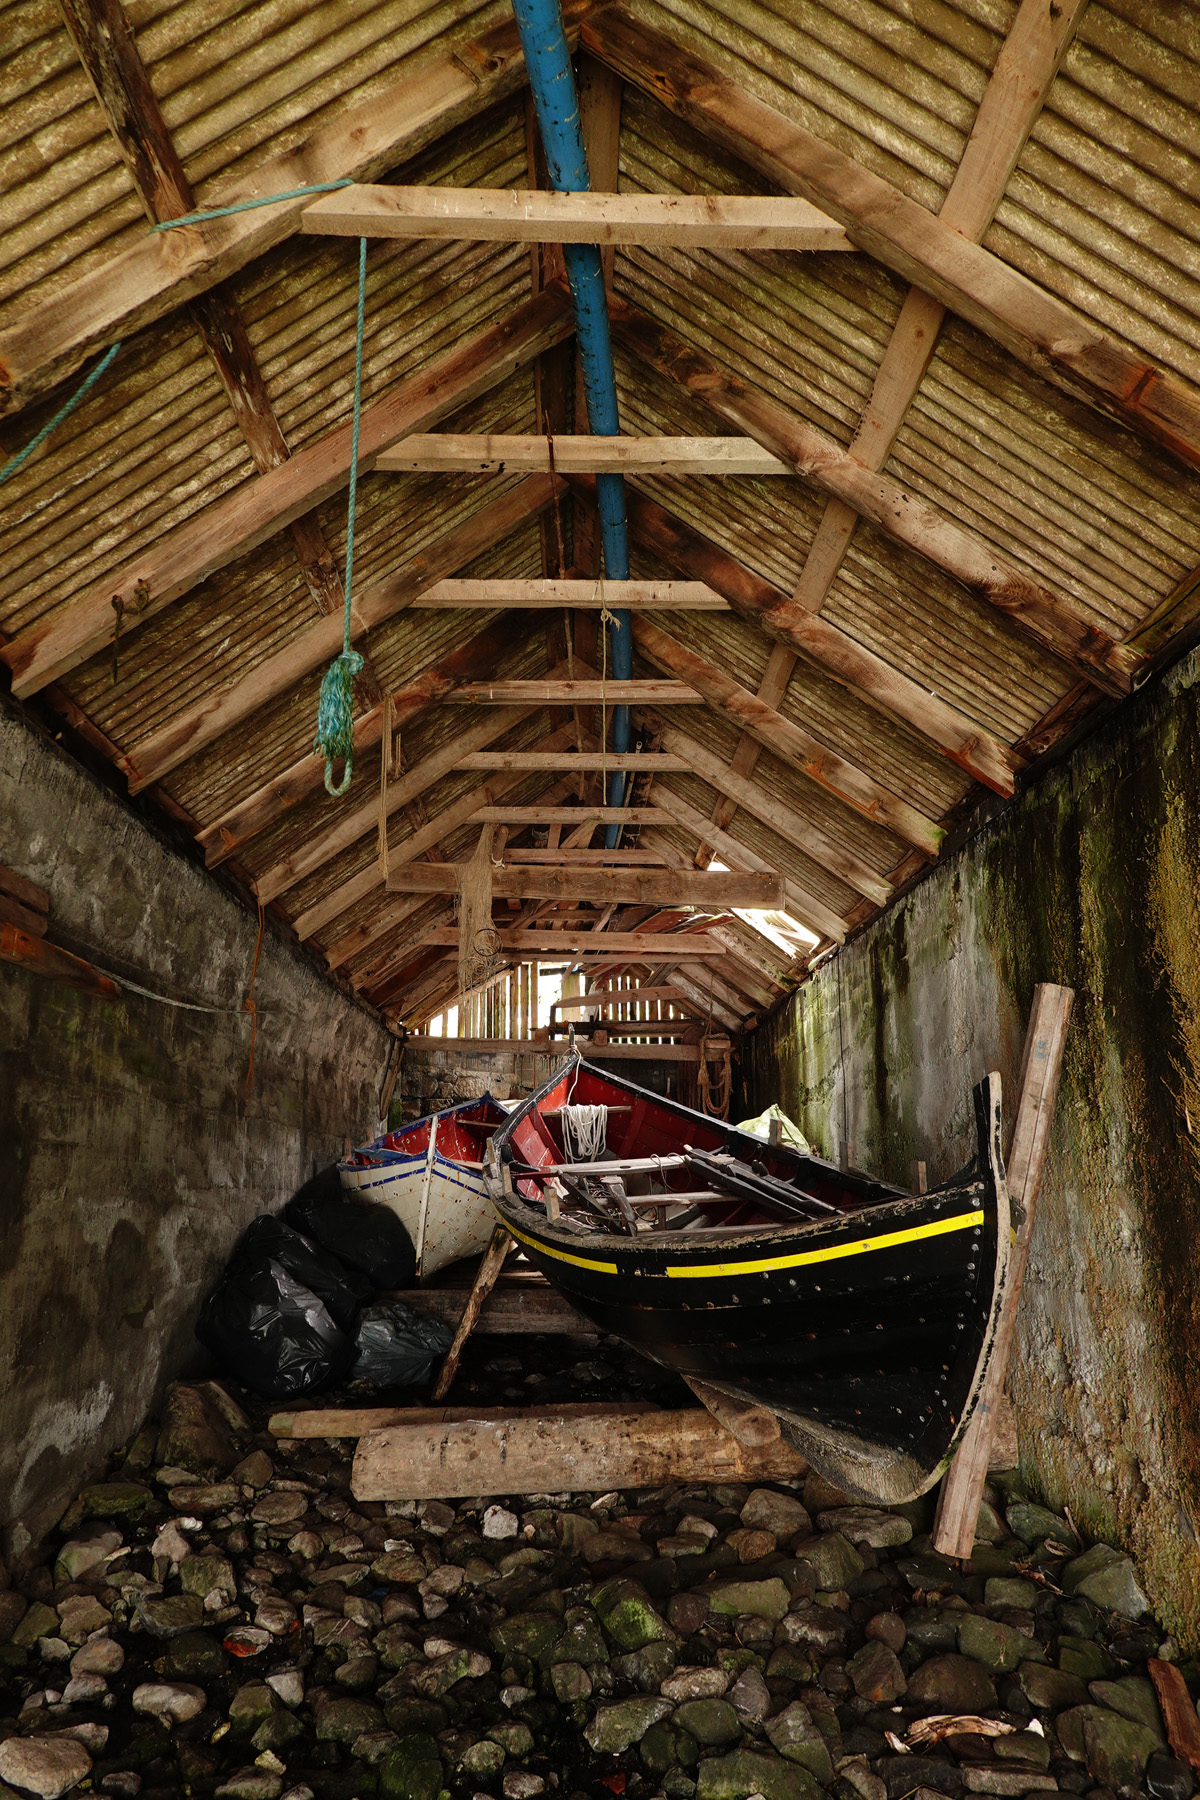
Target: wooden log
pixel 960 739
pixel 824 766
pixel 618 887
pixel 38 957
pixel 1178 1711
pixel 124 293
pixel 1045 333
pixel 485 1280
pixel 493 453
pixel 537 216
pixel 750 1425
pixel 225 707
pixel 357 1421
pixel 576 693
pixel 550 594
pixel 1037 1093
pixel 255 510
pixel 1051 620
pixel 551 1454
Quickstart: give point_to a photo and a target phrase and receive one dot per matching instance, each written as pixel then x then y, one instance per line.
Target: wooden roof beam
pixel 831 772
pixel 223 709
pixel 959 738
pixel 551 944
pixel 244 820
pixel 802 905
pixel 588 762
pixel 549 594
pixel 597 692
pixel 485 453
pixel 522 816
pixel 1051 621
pixel 133 288
pixel 253 512
pixel 1045 333
pixel 661 887
pixel 537 216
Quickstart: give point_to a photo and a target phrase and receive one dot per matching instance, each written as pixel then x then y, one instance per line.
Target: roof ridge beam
pixel 254 511
pixel 1050 620
pixel 1057 342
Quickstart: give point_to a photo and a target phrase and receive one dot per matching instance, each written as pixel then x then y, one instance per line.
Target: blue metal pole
pixel 548 60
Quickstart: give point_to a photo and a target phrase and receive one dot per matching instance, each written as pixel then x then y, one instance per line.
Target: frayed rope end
pixel 335 719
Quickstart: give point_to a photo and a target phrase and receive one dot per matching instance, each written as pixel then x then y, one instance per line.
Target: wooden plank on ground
pixel 556 1455
pixel 1178 1711
pixel 1037 1092
pixel 537 216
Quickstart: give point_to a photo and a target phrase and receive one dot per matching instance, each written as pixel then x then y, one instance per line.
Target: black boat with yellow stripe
pixel 860 1316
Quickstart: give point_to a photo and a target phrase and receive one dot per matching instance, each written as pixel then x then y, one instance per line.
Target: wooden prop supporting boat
pixel 861 1316
pixel 431 1175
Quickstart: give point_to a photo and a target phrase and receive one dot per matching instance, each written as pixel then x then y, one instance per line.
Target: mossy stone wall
pixel 1091 878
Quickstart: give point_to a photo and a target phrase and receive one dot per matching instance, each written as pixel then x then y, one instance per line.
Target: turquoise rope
pixel 225 212
pixel 335 710
pixel 85 386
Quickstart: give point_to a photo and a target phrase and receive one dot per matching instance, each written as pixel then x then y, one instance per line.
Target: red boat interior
pixel 639 1127
pixel 462 1136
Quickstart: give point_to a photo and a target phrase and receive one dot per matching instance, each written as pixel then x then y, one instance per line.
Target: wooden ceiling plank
pixel 579 595
pixel 1050 620
pixel 479 453
pixel 833 773
pixel 539 216
pixel 104 39
pixel 549 944
pixel 960 739
pixel 257 509
pixel 585 762
pixel 661 887
pixel 133 288
pixel 576 693
pixel 1045 333
pixel 244 820
pixel 569 815
pixel 225 708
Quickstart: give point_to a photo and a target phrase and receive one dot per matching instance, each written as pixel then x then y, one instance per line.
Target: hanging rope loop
pixel 335 711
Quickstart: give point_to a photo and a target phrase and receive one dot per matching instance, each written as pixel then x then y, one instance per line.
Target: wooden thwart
pixel 552 1453
pixel 1037 1092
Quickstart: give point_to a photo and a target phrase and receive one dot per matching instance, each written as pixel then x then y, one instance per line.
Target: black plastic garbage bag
pixel 270 1331
pixel 343 1291
pixel 363 1234
pixel 398 1347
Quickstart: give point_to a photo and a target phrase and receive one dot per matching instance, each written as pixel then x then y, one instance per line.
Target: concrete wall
pixel 1092 878
pixel 131 1158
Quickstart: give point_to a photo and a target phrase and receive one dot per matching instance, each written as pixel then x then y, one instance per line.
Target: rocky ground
pixel 220 1617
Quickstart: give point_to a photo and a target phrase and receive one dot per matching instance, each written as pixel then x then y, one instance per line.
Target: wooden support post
pixel 485 1281
pixel 920 1182
pixel 1037 1092
pixel 558 1454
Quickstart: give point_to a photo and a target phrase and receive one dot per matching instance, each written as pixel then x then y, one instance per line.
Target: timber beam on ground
pixel 493 453
pixel 782 820
pixel 958 737
pixel 257 509
pixel 1043 332
pixel 620 887
pixel 1050 620
pixel 824 766
pixel 130 290
pixel 220 711
pixel 551 594
pixel 538 216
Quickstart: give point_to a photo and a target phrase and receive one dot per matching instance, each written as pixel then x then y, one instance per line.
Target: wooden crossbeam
pixel 803 907
pixel 643 944
pixel 570 815
pixel 576 693
pixel 516 216
pixel 1045 333
pixel 573 858
pixel 1050 620
pixel 220 711
pixel 487 453
pixel 958 737
pixel 620 887
pixel 126 292
pixel 822 765
pixel 680 1053
pixel 605 1000
pixel 552 594
pixel 591 762
pixel 255 510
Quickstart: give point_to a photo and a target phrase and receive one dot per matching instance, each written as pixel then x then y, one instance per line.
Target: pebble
pixel 43 1766
pixel 168 1700
pixel 499 1523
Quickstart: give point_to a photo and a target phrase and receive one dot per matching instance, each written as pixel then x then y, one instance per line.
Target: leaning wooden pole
pixel 485 1281
pixel 1037 1092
